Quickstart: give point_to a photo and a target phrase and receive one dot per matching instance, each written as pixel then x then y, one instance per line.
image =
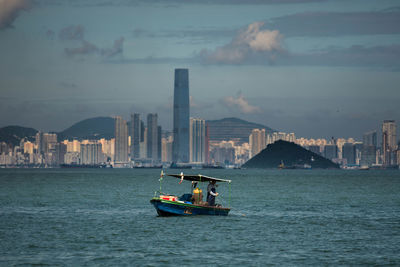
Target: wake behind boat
pixel 191 203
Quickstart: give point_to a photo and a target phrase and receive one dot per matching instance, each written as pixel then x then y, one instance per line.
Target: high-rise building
pixel 159 143
pixel 389 141
pixel 39 142
pixel 368 154
pixel 166 149
pixel 370 139
pixel 314 148
pixel 331 151
pixel 349 153
pixel 257 141
pixel 207 145
pixel 197 136
pixel 180 149
pixel 152 137
pixel 91 154
pixel 121 141
pixel 136 131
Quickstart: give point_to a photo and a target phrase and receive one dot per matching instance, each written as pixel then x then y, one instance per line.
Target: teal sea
pixel 103 217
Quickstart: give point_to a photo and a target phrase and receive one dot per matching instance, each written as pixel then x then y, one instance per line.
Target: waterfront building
pixel 331 151
pixel 166 155
pixel 368 154
pixel 143 144
pixel 28 147
pixel 121 141
pixel 136 130
pixel 180 148
pixel 223 154
pixel 349 153
pixel 257 141
pixel 314 148
pixel 152 137
pixel 159 137
pixel 197 139
pixel 389 142
pixel 72 158
pixel 91 154
pixel 275 136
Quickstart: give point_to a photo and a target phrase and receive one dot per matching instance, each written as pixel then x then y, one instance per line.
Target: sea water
pixel 103 217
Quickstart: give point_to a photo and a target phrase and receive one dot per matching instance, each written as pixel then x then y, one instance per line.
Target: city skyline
pixel 317 68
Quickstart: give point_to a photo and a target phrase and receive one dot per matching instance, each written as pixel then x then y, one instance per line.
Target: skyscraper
pixel 389 144
pixel 180 148
pixel 257 141
pixel 368 155
pixel 136 135
pixel 197 139
pixel 152 137
pixel 349 153
pixel 121 141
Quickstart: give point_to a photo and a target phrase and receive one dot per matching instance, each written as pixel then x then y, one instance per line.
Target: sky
pixel 313 67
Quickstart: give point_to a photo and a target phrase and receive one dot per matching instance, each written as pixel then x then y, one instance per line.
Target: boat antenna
pixel 161 178
pixel 181 178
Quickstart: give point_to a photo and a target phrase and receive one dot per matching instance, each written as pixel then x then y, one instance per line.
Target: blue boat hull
pixel 174 208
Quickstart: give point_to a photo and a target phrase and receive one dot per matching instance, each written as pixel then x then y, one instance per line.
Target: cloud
pixel 9 11
pixel 85 49
pixel 171 3
pixel 248 44
pixel 73 32
pixel 339 23
pixel 116 49
pixel 241 103
pixel 77 33
pixel 356 55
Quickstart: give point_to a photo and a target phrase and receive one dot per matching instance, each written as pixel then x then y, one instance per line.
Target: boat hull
pixel 174 208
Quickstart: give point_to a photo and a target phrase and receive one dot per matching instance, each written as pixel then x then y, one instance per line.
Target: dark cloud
pixel 86 48
pixel 50 34
pixel 68 85
pixel 73 32
pixel 116 49
pixel 338 23
pixel 10 9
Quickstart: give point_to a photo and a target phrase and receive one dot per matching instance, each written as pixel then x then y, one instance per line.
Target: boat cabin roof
pixel 198 178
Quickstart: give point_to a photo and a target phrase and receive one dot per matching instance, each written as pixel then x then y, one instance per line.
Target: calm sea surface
pixel 88 217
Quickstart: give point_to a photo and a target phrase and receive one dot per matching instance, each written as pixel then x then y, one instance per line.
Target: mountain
pixel 93 128
pixel 233 128
pixel 14 134
pixel 290 154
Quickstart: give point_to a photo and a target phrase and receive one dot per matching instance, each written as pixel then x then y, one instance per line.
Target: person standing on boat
pixel 211 193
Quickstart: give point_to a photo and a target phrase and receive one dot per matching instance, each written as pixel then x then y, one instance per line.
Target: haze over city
pixel 316 68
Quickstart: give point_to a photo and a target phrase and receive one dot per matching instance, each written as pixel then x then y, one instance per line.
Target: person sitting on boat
pixel 211 193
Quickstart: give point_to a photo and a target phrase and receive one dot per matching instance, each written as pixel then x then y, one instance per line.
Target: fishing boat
pixel 188 204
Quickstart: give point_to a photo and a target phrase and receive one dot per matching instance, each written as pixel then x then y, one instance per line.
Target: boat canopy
pixel 198 178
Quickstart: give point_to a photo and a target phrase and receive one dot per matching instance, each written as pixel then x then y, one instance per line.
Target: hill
pixel 291 154
pixel 93 128
pixel 233 128
pixel 14 134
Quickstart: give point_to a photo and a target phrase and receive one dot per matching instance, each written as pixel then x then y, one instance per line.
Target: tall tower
pixel 121 140
pixel 180 148
pixel 368 155
pixel 136 135
pixel 257 141
pixel 389 144
pixel 197 139
pixel 152 137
